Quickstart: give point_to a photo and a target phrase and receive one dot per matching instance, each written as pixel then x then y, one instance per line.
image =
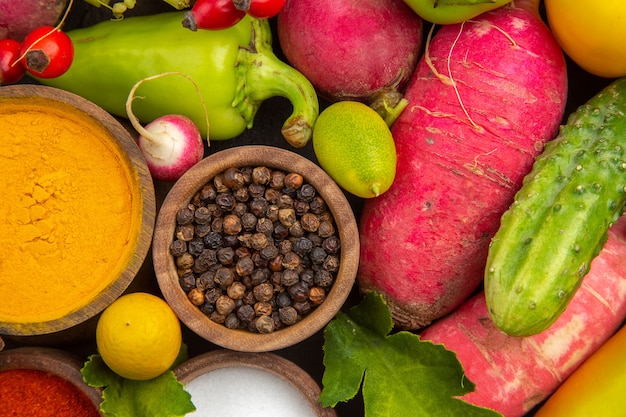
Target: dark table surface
pixel 307 354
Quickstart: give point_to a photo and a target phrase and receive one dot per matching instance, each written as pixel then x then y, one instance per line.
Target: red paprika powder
pixel 35 393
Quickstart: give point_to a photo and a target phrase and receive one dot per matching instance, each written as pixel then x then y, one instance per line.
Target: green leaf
pixel 400 374
pixel 163 396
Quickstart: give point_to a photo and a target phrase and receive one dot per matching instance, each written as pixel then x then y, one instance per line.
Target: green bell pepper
pixel 234 69
pixel 446 12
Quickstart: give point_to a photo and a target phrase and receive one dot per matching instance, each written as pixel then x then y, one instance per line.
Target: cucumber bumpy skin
pixel 559 219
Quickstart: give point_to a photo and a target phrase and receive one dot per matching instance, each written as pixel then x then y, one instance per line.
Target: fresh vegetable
pixel 352 50
pixel 121 397
pixel 212 15
pixel 11 69
pixel 560 217
pixel 261 9
pixel 47 52
pixel 353 144
pixel 18 18
pixel 592 34
pixel 234 69
pixel 170 144
pixel 401 375
pixel 474 124
pixel 596 387
pixel 447 12
pixel 514 374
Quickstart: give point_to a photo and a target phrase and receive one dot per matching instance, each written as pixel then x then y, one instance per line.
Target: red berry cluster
pixel 46 52
pixel 222 14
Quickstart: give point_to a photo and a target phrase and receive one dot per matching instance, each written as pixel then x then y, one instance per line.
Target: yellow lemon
pixel 354 145
pixel 138 336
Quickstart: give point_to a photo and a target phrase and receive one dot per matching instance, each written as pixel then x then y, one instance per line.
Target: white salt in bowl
pixel 228 383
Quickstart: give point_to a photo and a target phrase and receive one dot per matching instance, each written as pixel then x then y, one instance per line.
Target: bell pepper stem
pixel 262 75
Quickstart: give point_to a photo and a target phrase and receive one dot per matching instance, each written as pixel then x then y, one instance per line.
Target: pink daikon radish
pixel 514 374
pixel 485 97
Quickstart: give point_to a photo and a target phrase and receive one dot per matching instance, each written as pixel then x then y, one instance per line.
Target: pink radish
pixel 351 49
pixel 514 374
pixel 483 100
pixel 170 144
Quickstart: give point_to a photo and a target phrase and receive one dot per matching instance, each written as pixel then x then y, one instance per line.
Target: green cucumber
pixel 559 219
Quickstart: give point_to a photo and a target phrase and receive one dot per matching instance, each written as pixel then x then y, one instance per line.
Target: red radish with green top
pixel 514 374
pixel 485 97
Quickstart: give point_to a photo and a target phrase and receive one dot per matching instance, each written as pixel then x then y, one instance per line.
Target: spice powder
pixel 35 393
pixel 70 210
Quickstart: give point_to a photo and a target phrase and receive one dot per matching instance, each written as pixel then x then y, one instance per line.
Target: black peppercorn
pixel 185 261
pixel 302 307
pixel 231 224
pixel 326 229
pixel 289 278
pixel 185 232
pixel 202 215
pixel 224 277
pixel 178 247
pixel 323 278
pixel 283 299
pixel 213 240
pixel 277 179
pixel 265 324
pixel 224 304
pixel 248 221
pixel 264 226
pixel 291 261
pixel 236 290
pixel 261 175
pixel 293 180
pixel 264 291
pixel 231 321
pixel 225 201
pixel 302 245
pixel 207 193
pixel 233 178
pixel 195 296
pixel 288 315
pixel 185 216
pixel 226 256
pixel 331 244
pixel 299 292
pixel 206 281
pixel 244 266
pixel 306 193
pixel 317 295
pixel 187 281
pixel 246 313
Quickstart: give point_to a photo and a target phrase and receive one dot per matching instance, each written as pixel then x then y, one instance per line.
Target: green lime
pixel 354 145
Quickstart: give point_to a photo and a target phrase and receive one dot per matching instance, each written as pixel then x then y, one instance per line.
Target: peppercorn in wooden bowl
pixel 255 248
pixel 78 209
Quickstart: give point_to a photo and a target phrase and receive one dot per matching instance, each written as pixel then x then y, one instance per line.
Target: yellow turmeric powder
pixel 69 210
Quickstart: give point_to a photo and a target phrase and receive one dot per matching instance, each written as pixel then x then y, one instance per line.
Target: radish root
pixel 131 96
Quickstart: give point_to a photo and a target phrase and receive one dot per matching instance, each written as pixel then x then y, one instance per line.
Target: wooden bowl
pixel 54 361
pixel 181 194
pixel 269 366
pixel 95 132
